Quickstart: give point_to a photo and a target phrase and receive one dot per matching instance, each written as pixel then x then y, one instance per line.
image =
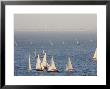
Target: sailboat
pixel 69 66
pixel 63 42
pixel 43 52
pixel 29 63
pixel 52 67
pixel 44 61
pixel 95 55
pixel 39 65
pixel 77 42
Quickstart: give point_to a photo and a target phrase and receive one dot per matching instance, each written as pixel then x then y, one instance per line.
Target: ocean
pixel 79 46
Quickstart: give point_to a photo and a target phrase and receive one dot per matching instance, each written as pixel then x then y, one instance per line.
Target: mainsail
pixel 52 63
pixel 44 62
pixel 69 66
pixel 52 66
pixel 38 63
pixel 29 63
pixel 95 55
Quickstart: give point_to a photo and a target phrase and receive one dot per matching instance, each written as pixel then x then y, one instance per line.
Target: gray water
pixel 60 45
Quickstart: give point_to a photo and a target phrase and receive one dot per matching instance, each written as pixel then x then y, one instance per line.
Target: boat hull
pixel 71 70
pixel 39 70
pixel 52 71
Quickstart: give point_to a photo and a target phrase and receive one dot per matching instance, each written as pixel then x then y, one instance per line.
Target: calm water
pixel 79 46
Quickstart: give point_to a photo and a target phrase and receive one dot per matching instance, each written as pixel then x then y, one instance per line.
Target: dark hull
pixel 39 70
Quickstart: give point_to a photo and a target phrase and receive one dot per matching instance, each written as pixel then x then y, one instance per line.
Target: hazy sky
pixel 55 22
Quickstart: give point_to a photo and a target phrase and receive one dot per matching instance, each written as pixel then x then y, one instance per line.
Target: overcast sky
pixel 55 22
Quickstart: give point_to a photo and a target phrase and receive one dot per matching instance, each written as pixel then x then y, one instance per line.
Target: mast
pixel 38 63
pixel 29 63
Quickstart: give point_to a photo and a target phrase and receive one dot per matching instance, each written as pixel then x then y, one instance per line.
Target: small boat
pixel 51 43
pixel 44 61
pixel 95 55
pixel 52 67
pixel 39 65
pixel 77 42
pixel 43 52
pixel 29 63
pixel 63 42
pixel 69 66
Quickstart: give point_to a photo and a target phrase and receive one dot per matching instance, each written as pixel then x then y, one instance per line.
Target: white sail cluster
pixel 43 64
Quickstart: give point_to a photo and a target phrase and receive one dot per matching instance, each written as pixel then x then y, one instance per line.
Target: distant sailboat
pixel 95 55
pixel 52 67
pixel 63 42
pixel 44 61
pixel 77 42
pixel 43 52
pixel 69 66
pixel 39 66
pixel 51 43
pixel 29 63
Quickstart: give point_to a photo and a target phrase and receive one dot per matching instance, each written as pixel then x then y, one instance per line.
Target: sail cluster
pixel 44 65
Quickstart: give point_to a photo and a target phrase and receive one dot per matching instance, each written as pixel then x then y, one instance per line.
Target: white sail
pixel 52 66
pixel 63 42
pixel 66 67
pixel 30 63
pixel 44 62
pixel 52 63
pixel 77 43
pixel 95 55
pixel 42 67
pixel 69 65
pixel 38 63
